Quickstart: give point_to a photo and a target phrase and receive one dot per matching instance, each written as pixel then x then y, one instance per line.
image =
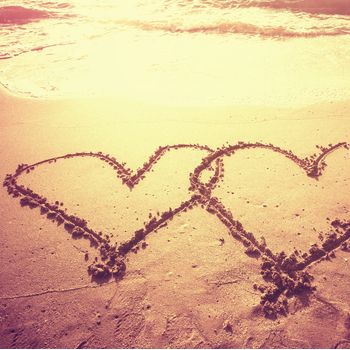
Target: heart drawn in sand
pixel 98 198
pixel 286 274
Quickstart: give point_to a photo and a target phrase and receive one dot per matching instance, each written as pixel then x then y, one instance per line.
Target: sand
pixel 132 225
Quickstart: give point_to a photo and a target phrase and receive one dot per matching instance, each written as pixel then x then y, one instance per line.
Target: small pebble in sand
pixel 147 306
pixel 98 318
pixel 168 276
pixel 227 326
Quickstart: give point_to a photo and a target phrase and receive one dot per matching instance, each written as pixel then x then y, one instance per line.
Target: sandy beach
pixel 137 225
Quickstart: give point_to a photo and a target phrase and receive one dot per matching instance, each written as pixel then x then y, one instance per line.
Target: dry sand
pixel 191 276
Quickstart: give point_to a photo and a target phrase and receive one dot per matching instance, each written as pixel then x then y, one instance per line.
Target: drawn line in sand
pixel 51 291
pixel 112 256
pixel 286 276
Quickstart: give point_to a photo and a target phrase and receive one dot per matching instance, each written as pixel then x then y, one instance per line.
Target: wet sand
pixel 131 225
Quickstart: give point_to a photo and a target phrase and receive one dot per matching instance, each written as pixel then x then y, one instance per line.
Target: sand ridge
pixel 286 275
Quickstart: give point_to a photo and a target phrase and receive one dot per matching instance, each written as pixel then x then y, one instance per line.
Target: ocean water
pixel 199 52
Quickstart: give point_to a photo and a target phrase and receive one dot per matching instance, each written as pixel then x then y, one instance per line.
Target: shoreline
pixel 288 112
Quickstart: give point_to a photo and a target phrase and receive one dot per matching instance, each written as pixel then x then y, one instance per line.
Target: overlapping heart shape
pixel 111 254
pixel 287 275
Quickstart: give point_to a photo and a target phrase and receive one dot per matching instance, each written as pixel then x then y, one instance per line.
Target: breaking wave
pixel 238 28
pixel 317 7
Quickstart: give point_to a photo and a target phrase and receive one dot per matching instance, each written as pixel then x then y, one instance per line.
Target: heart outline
pixel 287 276
pixel 113 258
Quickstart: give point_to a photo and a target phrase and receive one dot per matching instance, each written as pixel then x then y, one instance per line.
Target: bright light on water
pixel 180 52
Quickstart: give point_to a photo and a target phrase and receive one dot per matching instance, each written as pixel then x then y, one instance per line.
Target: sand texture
pixel 131 225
